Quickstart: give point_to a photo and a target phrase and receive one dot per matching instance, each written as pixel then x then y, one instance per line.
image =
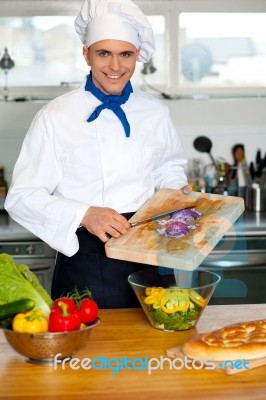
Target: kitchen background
pixel 225 122
pixel 224 101
pixel 228 112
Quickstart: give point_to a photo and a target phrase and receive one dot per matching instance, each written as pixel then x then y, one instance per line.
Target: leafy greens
pixel 18 282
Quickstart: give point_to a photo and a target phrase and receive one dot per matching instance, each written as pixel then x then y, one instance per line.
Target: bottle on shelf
pixel 3 189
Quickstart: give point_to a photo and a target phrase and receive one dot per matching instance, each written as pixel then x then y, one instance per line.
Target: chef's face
pixel 112 64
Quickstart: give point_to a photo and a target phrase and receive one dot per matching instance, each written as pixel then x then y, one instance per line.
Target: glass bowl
pixel 172 299
pixel 42 348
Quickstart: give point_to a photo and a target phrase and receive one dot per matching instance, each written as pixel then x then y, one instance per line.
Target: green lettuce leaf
pixel 18 282
pixel 34 281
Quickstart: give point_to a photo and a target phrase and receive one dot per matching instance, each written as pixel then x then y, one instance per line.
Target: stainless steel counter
pixel 240 259
pixel 26 248
pixel 249 223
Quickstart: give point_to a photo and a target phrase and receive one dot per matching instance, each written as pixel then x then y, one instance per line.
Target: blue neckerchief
pixel 111 101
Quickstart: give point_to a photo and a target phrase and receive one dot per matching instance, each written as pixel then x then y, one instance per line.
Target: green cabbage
pixel 18 282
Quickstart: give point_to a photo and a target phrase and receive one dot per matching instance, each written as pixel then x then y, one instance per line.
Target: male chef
pixel 92 157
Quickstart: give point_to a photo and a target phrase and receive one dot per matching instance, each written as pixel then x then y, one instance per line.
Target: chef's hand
pixel 105 223
pixel 186 189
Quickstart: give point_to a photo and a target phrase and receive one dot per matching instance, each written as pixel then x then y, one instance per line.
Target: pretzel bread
pixel 244 340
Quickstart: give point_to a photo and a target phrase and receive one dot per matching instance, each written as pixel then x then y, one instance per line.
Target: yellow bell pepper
pixel 154 290
pixel 197 298
pixel 173 299
pixel 154 295
pixel 150 299
pixel 183 303
pixel 169 307
pixel 173 302
pixel 30 322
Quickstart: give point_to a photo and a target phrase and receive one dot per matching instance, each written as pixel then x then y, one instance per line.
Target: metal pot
pixel 256 199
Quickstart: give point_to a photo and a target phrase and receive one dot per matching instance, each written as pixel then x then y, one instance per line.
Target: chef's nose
pixel 114 63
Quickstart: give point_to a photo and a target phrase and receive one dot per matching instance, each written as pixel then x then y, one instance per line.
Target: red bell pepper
pixel 60 320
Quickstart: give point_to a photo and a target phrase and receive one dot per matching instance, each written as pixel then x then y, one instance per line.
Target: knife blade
pixel 160 215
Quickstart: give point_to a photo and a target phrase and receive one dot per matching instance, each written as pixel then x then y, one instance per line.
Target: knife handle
pixel 132 224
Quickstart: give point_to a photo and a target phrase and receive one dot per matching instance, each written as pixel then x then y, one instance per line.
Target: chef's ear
pixel 86 54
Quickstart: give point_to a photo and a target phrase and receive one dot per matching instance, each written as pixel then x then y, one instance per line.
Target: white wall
pixel 15 118
pixel 225 122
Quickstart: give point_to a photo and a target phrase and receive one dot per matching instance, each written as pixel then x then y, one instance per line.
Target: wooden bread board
pixel 228 368
pixel 143 244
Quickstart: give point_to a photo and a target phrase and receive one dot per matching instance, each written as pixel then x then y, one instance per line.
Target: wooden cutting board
pixel 143 243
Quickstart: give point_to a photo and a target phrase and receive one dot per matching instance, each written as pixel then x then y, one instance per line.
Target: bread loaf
pixel 244 340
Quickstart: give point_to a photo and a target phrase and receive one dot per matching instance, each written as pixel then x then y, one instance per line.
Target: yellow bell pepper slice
pixel 148 291
pixel 169 307
pixel 30 322
pixel 154 294
pixel 183 303
pixel 149 299
pixel 170 300
pixel 154 290
pixel 197 298
pixel 174 301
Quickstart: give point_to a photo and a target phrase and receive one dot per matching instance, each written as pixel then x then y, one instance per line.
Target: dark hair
pixel 238 146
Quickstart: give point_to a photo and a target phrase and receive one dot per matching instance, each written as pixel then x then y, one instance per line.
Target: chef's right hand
pixel 105 223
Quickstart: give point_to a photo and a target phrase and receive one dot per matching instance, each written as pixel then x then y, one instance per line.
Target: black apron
pixel 105 277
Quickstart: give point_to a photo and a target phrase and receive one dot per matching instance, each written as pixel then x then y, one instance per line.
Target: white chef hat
pixel 115 19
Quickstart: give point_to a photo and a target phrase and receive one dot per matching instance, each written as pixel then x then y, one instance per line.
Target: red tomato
pixel 71 305
pixel 88 311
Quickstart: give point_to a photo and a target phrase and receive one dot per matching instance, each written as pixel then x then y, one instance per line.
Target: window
pixel 45 50
pixel 203 47
pixel 154 72
pixel 222 50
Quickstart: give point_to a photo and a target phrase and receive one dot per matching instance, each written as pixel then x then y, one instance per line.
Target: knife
pixel 160 215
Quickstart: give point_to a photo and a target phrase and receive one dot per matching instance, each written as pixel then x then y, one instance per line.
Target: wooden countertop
pixel 126 332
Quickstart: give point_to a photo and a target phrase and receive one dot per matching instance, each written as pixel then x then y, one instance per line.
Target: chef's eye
pixel 103 53
pixel 126 54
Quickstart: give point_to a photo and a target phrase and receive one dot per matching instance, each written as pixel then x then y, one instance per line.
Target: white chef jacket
pixel 67 165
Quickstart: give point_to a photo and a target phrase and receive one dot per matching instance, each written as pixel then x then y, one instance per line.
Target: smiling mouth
pixel 113 76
